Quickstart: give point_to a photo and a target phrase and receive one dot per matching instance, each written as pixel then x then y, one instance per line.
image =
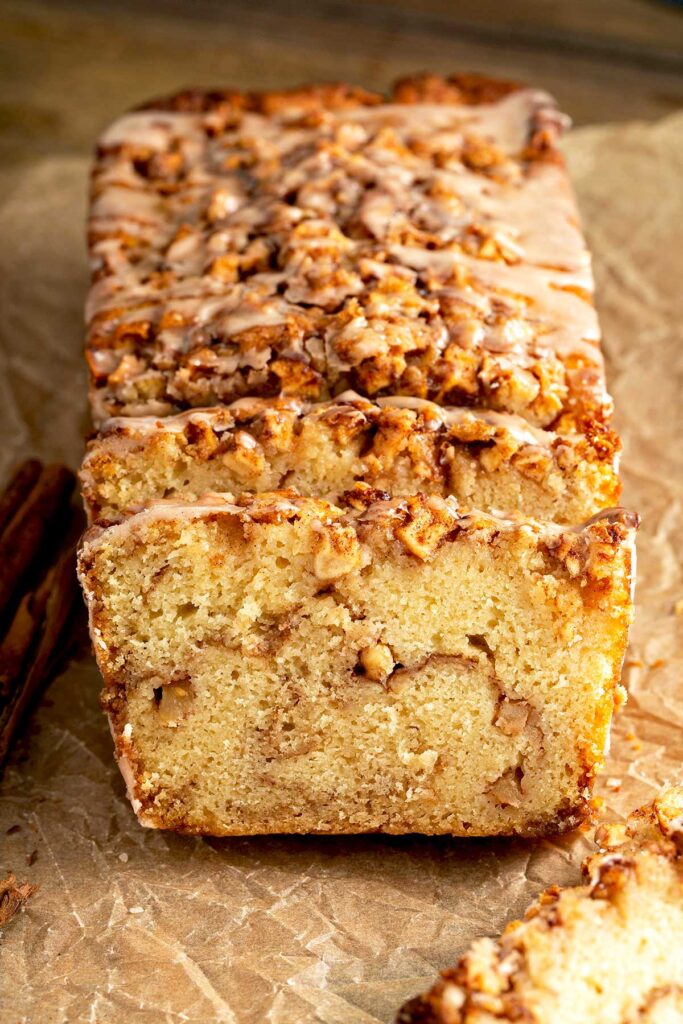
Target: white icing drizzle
pixel 149 129
pixel 568 322
pixel 383 165
pixel 225 417
pixel 505 121
pixel 517 426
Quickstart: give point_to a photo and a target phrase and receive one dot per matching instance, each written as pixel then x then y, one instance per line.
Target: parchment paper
pixel 136 926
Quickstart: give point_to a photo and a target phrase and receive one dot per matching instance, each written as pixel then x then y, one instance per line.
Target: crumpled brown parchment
pixel 143 926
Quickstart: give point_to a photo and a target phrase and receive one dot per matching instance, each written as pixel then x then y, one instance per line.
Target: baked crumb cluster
pixel 546 969
pixel 307 243
pixel 355 564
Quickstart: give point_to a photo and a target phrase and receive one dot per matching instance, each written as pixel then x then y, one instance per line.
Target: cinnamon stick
pixel 20 637
pixel 31 525
pixel 37 584
pixel 18 489
pixel 61 586
pixel 28 668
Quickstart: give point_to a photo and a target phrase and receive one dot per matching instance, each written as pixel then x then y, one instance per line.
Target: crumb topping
pixel 303 243
pixel 420 524
pixel 249 429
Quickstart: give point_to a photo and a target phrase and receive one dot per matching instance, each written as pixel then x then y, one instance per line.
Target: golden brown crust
pixel 466 88
pixel 309 98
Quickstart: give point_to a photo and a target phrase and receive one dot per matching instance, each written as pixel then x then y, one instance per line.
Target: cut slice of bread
pixel 281 664
pixel 486 459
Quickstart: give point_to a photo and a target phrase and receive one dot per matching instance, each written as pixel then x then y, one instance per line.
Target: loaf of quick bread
pixel 368 322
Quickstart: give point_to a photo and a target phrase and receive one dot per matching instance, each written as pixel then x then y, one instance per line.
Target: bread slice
pixel 282 664
pixel 606 952
pixel 486 459
pixel 326 239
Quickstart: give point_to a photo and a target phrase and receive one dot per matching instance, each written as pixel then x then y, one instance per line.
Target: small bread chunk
pixel 606 952
pixel 276 663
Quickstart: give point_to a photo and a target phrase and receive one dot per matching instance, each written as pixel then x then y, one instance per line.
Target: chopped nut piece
pixel 512 716
pixel 428 522
pixel 337 552
pixel 247 458
pixel 507 790
pixel 377 662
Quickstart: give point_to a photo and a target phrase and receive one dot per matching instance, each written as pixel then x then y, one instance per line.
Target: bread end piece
pixel 608 950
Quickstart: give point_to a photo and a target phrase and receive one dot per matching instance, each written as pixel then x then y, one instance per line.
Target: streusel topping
pixel 426 247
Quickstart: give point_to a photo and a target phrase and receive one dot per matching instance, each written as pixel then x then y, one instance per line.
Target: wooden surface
pixel 69 66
